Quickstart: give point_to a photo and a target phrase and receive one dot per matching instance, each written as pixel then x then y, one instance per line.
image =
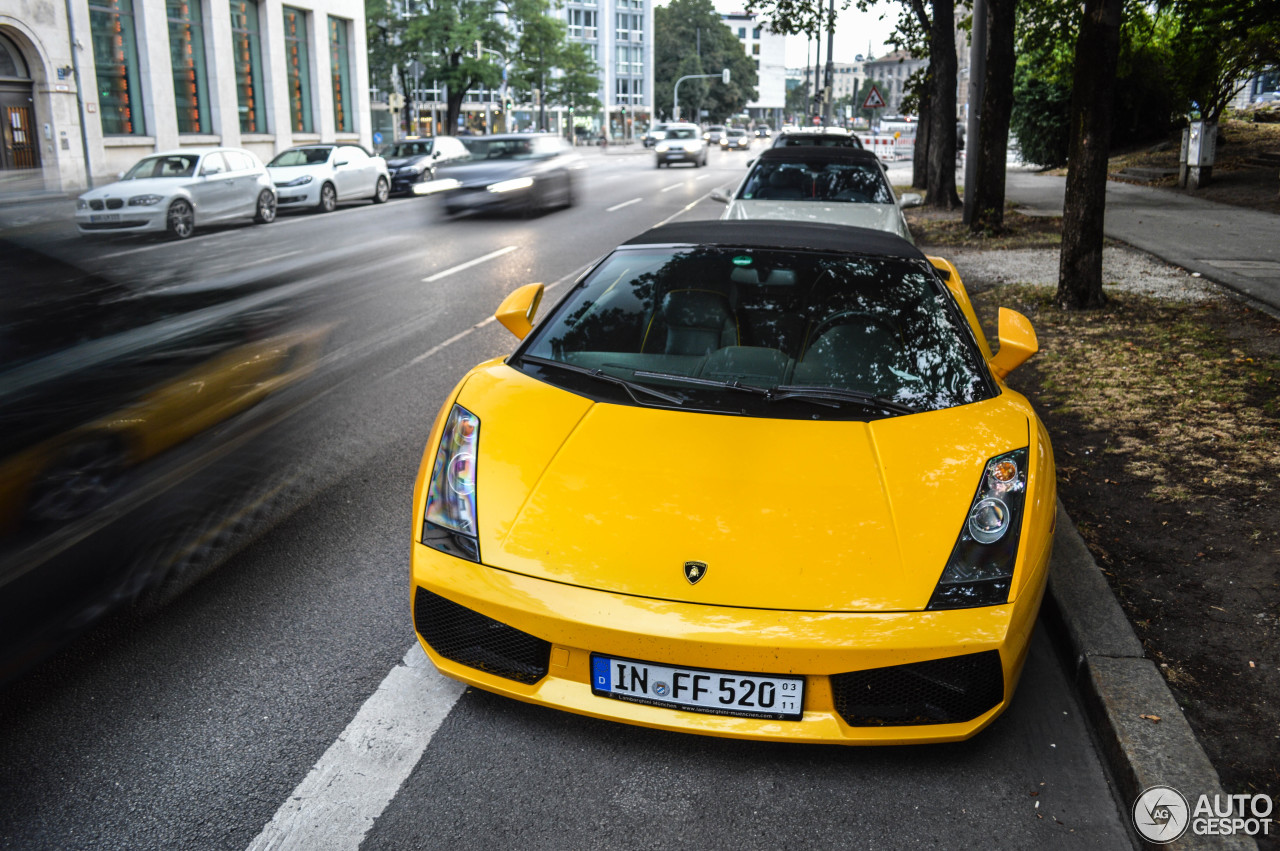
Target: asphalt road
pixel 199 726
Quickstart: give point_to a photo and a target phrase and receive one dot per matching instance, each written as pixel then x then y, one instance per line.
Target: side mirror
pixel 912 199
pixel 120 176
pixel 750 162
pixel 1017 342
pixel 518 309
pixel 717 195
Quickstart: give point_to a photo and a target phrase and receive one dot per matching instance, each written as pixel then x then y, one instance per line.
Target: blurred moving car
pixel 520 172
pixel 175 191
pixel 818 137
pixel 839 186
pixel 655 134
pixel 763 131
pixel 412 162
pixel 735 139
pixel 683 144
pixel 887 595
pixel 137 428
pixel 713 134
pixel 322 176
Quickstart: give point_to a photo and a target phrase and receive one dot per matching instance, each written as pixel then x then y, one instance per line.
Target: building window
pixel 755 33
pixel 115 60
pixel 340 67
pixel 299 66
pixel 755 50
pixel 186 57
pixel 582 24
pixel 742 32
pixel 630 27
pixel 246 49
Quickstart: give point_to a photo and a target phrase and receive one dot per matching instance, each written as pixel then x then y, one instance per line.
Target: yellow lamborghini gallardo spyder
pixel 750 479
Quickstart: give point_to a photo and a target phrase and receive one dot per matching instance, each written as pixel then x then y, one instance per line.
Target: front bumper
pixel 124 219
pixel 478 199
pixel 680 156
pixel 307 195
pixel 404 183
pixel 574 622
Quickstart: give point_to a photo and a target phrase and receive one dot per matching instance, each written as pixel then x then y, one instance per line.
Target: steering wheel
pixel 846 317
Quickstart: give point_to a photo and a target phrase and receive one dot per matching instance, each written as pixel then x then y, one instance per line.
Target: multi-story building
pixel 120 79
pixel 769 52
pixel 619 36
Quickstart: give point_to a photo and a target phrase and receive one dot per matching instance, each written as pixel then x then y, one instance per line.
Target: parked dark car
pixel 512 172
pixel 413 162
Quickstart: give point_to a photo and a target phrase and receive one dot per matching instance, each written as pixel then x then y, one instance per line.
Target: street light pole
pixel 675 91
pixel 828 84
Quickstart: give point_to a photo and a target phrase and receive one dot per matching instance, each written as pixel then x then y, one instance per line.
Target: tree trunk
pixel 453 109
pixel 920 158
pixel 1093 89
pixel 993 129
pixel 941 190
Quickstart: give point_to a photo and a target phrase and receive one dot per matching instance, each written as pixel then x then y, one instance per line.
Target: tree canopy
pixel 690 38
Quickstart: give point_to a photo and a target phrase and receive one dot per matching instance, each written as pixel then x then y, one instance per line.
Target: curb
pixel 1118 685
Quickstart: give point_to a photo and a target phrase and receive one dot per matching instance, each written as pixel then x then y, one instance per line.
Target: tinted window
pixel 777 180
pixel 213 164
pixel 763 318
pixel 301 156
pixel 682 133
pixel 408 149
pixel 178 165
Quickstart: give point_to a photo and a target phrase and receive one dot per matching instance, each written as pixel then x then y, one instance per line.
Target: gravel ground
pixel 1124 269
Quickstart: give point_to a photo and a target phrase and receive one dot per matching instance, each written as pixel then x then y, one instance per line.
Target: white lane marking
pixel 702 177
pixel 686 208
pixel 673 186
pixel 623 204
pixel 346 791
pixel 461 266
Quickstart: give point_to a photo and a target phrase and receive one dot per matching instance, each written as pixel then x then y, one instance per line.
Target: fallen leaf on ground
pixel 1154 719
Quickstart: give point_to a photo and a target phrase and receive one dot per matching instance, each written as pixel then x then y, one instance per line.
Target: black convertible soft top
pixel 780 234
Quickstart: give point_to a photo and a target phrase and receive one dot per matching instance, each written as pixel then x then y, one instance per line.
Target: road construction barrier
pixel 886 147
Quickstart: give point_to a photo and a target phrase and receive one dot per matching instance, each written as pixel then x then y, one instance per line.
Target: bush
pixel 1041 118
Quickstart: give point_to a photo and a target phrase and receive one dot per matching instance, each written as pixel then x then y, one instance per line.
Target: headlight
pixel 82 204
pixel 511 185
pixel 298 181
pixel 663 147
pixel 145 200
pixel 450 521
pixel 980 570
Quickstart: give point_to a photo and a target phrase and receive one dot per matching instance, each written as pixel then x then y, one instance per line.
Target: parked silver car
pixel 321 176
pixel 175 191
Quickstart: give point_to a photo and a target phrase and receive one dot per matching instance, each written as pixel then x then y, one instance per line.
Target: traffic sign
pixel 377 138
pixel 874 100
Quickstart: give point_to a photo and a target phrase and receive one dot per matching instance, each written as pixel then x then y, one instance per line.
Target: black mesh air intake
pixel 940 691
pixel 469 638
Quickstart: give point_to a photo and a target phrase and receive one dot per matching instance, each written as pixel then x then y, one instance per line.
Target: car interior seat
pixel 695 322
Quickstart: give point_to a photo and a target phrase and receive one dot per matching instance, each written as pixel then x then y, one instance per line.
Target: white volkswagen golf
pixel 175 191
pixel 321 176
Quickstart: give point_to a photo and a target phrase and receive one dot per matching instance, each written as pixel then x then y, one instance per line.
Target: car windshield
pixel 779 180
pixel 168 165
pixel 301 156
pixel 408 149
pixel 707 323
pixel 499 149
pixel 682 133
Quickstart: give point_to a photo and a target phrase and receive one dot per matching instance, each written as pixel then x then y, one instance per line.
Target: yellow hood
pixel 786 514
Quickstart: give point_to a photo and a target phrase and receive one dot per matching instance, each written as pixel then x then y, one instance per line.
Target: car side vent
pixel 469 638
pixel 939 691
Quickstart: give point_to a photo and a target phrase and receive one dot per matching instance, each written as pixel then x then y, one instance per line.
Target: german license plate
pixel 697 689
pixel 105 217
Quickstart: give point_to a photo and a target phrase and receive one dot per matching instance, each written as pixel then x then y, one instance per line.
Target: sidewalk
pixel 1234 246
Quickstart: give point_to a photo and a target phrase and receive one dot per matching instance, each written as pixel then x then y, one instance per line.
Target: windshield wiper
pixel 631 387
pixel 836 394
pixel 700 382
